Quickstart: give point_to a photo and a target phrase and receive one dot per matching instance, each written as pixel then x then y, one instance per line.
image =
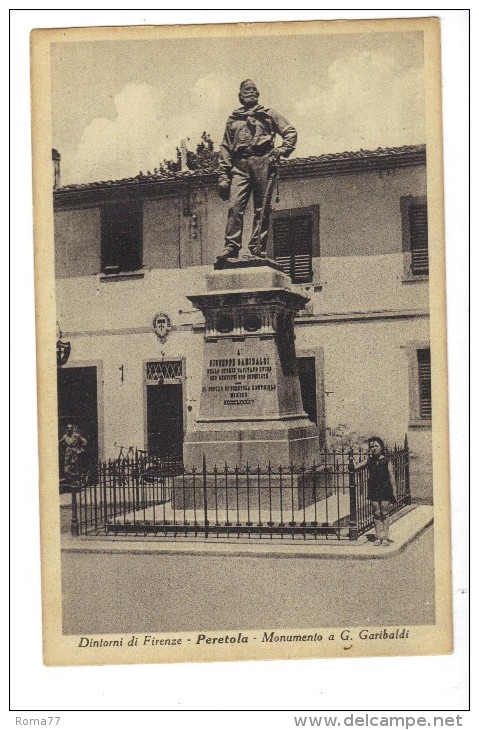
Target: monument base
pixel 253 444
pixel 250 414
pixel 245 262
pixel 266 496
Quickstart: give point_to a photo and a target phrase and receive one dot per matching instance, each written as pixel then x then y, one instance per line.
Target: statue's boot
pixel 229 252
pixel 254 251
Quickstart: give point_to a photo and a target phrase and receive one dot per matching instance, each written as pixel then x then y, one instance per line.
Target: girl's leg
pixel 385 522
pixel 377 522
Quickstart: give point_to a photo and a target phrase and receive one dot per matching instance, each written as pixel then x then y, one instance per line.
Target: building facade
pixel 351 231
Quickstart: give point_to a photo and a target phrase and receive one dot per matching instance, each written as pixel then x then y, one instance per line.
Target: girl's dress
pixel 379 481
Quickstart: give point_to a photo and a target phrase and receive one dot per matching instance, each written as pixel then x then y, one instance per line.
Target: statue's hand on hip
pixel 224 189
pixel 275 155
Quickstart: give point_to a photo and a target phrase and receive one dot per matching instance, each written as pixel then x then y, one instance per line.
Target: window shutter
pixel 424 374
pixel 302 248
pixel 282 243
pixel 293 246
pixel 418 238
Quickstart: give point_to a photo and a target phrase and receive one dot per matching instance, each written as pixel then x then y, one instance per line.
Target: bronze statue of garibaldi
pixel 248 164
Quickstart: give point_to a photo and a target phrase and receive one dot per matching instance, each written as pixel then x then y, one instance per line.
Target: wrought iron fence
pixel 118 488
pixel 142 495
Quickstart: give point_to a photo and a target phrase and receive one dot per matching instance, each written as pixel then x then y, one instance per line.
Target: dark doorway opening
pixel 78 406
pixel 164 403
pixel 307 379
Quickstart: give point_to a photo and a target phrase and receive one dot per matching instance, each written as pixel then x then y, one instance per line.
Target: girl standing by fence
pixel 381 488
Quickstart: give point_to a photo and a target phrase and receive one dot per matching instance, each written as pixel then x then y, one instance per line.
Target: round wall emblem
pixel 162 326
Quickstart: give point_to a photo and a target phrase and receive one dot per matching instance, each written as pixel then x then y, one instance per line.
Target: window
pixel 415 237
pixel 307 381
pixel 424 383
pixel 419 356
pixel 311 379
pixel 418 238
pixel 121 238
pixel 295 242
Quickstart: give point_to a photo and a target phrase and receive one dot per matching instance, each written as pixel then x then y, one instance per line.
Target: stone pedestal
pixel 250 410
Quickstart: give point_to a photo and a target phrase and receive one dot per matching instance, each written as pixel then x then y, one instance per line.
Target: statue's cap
pixel 247 81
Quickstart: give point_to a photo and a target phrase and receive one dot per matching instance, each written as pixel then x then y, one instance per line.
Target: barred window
pixel 121 238
pixel 418 238
pixel 293 236
pixel 169 370
pixel 424 384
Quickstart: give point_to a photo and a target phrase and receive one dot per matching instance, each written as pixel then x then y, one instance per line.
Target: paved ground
pixel 125 592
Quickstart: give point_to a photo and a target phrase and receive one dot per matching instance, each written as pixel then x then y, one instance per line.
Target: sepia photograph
pixel 241 341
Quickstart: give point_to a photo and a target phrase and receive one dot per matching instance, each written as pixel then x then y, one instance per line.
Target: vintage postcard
pixel 241 342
